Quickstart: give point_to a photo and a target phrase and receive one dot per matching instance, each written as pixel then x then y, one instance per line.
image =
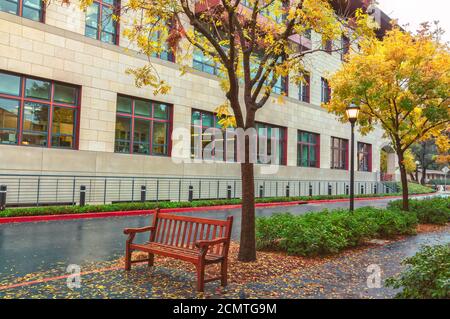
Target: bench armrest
pixel 207 243
pixel 138 230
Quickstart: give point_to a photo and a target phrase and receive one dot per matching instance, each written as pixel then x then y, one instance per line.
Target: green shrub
pixel 428 211
pixel 270 230
pixel 329 232
pixel 427 274
pixel 414 188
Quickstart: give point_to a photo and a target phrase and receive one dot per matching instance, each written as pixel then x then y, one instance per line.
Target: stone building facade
pixel 58 52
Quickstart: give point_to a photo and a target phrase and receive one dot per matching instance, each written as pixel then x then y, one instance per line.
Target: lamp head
pixel 352 112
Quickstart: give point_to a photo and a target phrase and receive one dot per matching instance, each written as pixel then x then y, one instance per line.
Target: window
pixel 364 157
pixel 339 153
pixel 142 126
pixel 308 149
pixel 200 122
pixel 328 46
pixel 100 24
pixel 325 91
pixel 345 42
pixel 273 134
pixel 307 34
pixel 282 83
pixel 30 9
pixel 167 53
pixel 280 86
pixel 304 89
pixel 37 112
pixel 204 63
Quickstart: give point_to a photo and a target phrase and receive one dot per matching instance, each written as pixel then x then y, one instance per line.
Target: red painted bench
pixel 199 241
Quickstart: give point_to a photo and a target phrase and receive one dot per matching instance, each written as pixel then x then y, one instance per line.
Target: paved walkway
pixel 33 247
pixel 44 249
pixel 341 277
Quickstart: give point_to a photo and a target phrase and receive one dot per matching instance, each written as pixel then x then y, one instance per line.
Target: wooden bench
pixel 200 241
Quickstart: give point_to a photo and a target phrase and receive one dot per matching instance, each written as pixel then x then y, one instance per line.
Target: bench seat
pixel 199 241
pixel 189 255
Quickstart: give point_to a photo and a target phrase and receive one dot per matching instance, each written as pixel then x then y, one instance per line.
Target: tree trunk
pixel 247 248
pixel 404 180
pixel 423 177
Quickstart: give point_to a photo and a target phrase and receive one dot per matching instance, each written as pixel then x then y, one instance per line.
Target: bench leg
pixel 127 258
pixel 223 273
pixel 200 277
pixel 151 258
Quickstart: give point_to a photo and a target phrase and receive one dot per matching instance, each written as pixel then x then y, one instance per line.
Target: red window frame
pixel 20 4
pixel 342 149
pixel 131 116
pixel 51 105
pixel 202 127
pixel 316 146
pixel 304 90
pixel 366 155
pixel 115 8
pixel 168 54
pixel 283 140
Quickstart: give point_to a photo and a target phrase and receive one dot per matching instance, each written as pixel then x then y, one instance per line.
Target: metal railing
pixel 38 190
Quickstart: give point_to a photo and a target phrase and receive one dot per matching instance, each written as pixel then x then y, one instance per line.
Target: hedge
pixel 431 211
pixel 329 232
pixel 60 210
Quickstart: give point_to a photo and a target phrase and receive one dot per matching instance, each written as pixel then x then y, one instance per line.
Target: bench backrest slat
pixel 183 238
pixel 184 231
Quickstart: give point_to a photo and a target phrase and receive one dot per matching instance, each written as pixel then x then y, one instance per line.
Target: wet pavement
pixel 48 247
pixel 32 247
pixel 343 276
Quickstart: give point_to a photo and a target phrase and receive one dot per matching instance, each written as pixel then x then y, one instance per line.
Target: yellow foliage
pixel 409 161
pixel 402 83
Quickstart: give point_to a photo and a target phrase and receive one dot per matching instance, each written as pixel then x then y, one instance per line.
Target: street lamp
pixel 417 171
pixel 352 112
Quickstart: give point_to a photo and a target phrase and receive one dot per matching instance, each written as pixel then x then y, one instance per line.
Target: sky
pixel 415 12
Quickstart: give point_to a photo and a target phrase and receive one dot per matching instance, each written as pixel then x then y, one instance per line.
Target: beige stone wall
pixel 58 50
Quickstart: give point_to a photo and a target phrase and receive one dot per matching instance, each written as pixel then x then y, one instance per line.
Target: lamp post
pixel 417 171
pixel 352 112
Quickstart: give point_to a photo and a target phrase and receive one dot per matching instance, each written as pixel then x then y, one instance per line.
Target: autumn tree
pixel 425 152
pixel 253 43
pixel 402 83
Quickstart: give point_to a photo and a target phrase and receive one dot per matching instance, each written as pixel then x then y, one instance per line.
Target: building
pixel 66 106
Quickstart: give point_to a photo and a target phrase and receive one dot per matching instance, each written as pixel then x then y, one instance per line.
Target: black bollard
pixel 3 191
pixel 191 193
pixel 229 192
pixel 143 193
pixel 82 195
